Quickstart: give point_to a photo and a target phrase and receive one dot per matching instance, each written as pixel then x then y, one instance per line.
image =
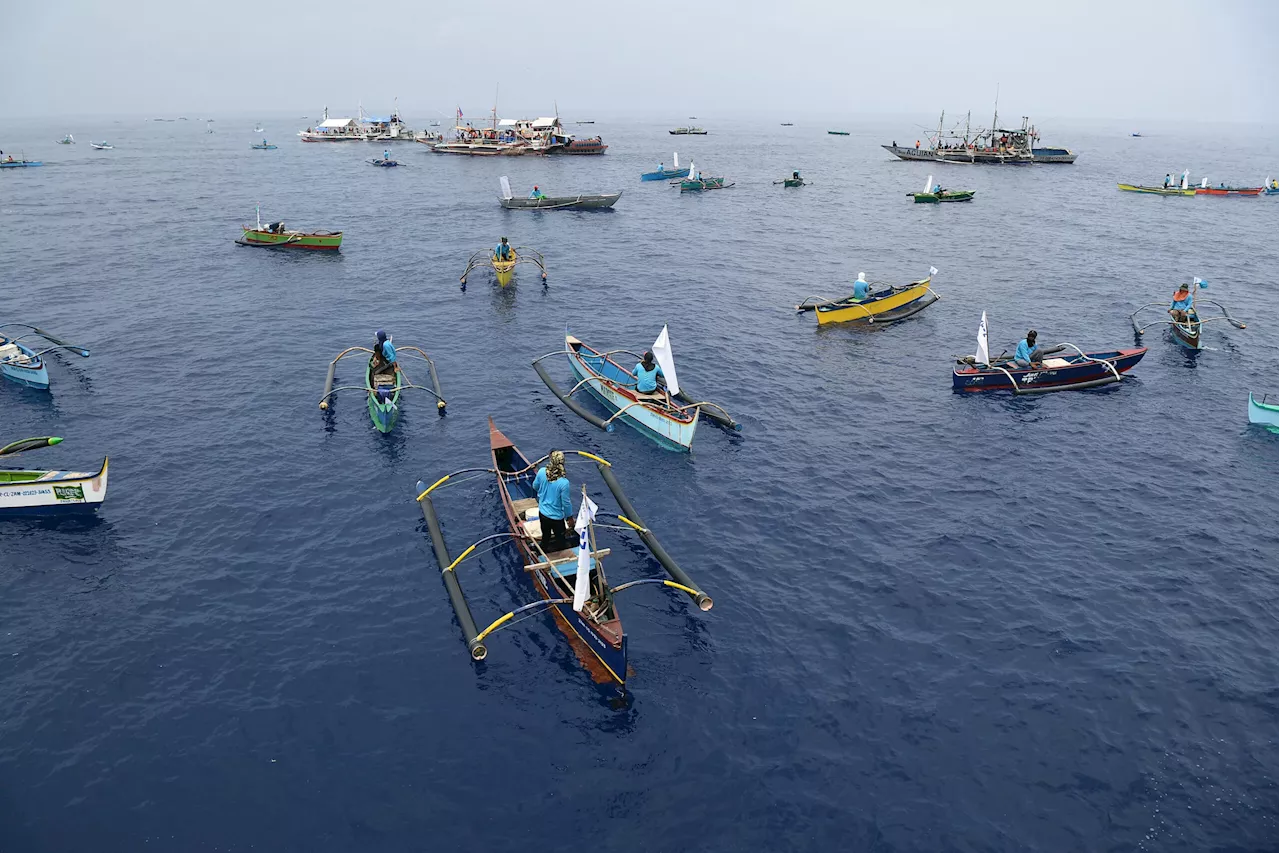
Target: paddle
pixel 78 350
pixel 29 444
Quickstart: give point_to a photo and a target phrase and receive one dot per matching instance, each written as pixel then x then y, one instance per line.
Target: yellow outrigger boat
pixel 887 305
pixel 504 269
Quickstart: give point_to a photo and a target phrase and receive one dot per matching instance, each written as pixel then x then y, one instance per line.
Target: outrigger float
pixel 669 415
pixel 24 365
pixel 23 490
pixel 888 305
pixel 382 387
pixel 275 236
pixel 571 583
pixel 504 268
pixel 1047 373
pixel 1186 331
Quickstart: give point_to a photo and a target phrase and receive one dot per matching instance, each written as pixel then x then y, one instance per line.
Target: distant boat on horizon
pixel 1135 134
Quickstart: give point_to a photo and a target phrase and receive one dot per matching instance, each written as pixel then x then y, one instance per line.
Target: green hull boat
pixel 944 196
pixel 329 241
pixel 384 397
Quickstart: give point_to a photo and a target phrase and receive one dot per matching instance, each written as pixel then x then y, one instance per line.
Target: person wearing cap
pixel 502 251
pixel 1028 352
pixel 537 193
pixel 384 354
pixel 1183 304
pixel 646 374
pixel 554 504
pixel 861 287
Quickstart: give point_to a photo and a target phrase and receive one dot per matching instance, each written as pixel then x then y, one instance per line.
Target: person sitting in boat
pixel 795 176
pixel 502 251
pixel 537 193
pixel 276 227
pixel 1182 305
pixel 646 374
pixel 662 167
pixel 937 189
pixel 384 354
pixel 861 288
pixel 554 504
pixel 1028 352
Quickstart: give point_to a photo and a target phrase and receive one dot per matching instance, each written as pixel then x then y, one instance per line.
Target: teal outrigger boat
pixel 1262 412
pixel 383 383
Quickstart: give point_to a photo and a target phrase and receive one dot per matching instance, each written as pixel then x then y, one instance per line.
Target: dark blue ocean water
pixel 942 622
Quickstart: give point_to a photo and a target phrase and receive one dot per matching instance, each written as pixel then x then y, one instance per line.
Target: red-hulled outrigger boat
pixel 583 604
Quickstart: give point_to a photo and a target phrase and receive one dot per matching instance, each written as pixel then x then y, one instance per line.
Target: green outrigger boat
pixel 275 236
pixel 383 384
pixel 929 196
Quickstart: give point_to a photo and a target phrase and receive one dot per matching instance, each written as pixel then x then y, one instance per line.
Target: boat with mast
pixel 996 145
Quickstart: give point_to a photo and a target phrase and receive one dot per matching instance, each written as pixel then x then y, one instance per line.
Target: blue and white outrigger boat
pixel 666 174
pixel 23 490
pixel 668 415
pixel 24 365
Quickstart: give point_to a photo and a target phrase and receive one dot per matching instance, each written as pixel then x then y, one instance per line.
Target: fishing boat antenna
pixel 995 115
pixel 258 209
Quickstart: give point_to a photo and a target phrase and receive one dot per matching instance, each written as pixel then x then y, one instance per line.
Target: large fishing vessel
pixel 995 145
pixel 363 128
pixel 543 135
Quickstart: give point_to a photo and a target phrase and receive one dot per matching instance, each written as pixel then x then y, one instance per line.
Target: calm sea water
pixel 942 622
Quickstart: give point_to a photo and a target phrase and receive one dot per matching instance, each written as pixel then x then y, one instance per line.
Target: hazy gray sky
pixel 1124 60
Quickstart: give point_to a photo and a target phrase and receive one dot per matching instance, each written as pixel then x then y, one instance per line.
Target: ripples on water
pixel 942 622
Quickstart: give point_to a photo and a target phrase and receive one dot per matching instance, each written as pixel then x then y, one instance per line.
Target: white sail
pixel 675 160
pixel 933 271
pixel 506 186
pixel 692 173
pixel 1204 183
pixel 928 185
pixel 1186 173
pixel 662 353
pixel 582 583
pixel 983 356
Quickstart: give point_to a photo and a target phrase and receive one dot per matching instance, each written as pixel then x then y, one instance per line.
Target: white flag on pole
pixel 582 583
pixel 983 356
pixel 675 159
pixel 662 353
pixel 506 186
pixel 928 185
pixel 1186 173
pixel 933 271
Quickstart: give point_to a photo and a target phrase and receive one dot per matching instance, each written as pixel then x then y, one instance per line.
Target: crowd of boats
pixel 614 385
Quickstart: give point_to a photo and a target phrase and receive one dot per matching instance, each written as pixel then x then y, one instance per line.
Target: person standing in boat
pixel 386 153
pixel 502 251
pixel 646 374
pixel 1167 179
pixel 384 354
pixel 554 503
pixel 1028 352
pixel 1183 304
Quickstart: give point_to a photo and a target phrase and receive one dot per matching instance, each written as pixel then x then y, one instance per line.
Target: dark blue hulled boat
pixel 1081 370
pixel 666 174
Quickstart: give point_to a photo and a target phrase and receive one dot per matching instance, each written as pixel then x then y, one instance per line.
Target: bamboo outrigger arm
pixel 329 390
pixel 435 379
pixel 58 343
pixel 632 519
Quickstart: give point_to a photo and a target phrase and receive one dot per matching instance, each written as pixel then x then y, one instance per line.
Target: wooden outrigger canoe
pixel 944 196
pixel 595 628
pixel 666 174
pixel 503 270
pixel 32 491
pixel 275 236
pixel 26 366
pixel 699 185
pixel 668 419
pixel 382 387
pixel 1135 188
pixel 1240 191
pixel 1262 412
pixel 1188 330
pixel 1075 372
pixel 880 306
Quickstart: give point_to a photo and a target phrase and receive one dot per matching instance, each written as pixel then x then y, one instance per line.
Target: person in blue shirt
pixel 554 504
pixel 1028 352
pixel 937 189
pixel 660 168
pixel 384 354
pixel 646 374
pixel 386 153
pixel 502 251
pixel 1167 180
pixel 861 287
pixel 537 193
pixel 1183 304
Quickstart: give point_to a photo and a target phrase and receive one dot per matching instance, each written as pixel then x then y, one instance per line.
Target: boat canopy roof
pixel 545 122
pixel 338 122
pixel 378 119
pixel 507 122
